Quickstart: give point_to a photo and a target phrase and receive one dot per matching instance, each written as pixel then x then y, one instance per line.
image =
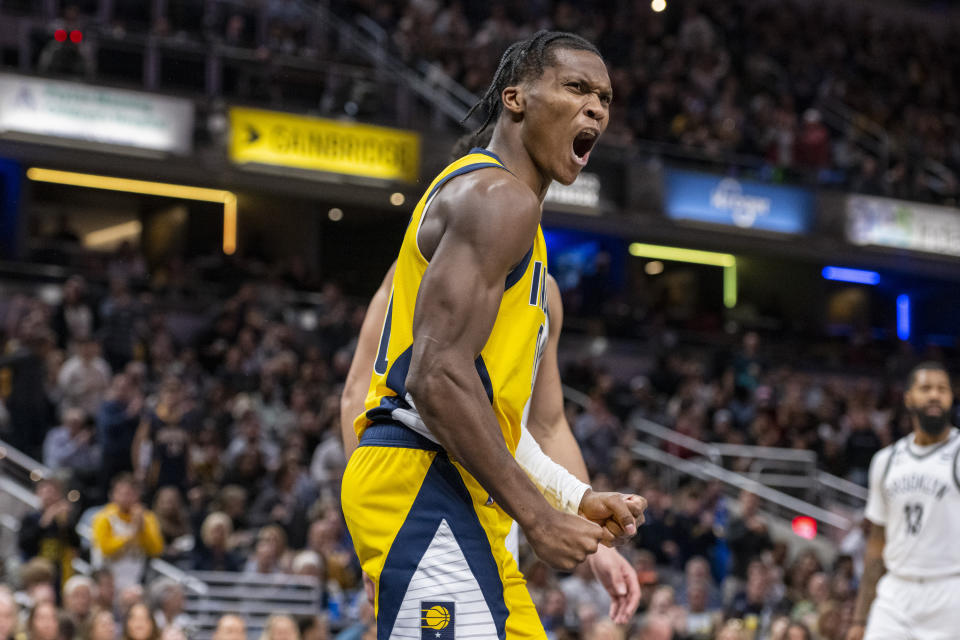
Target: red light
pixel 76 37
pixel 805 527
pixel 60 35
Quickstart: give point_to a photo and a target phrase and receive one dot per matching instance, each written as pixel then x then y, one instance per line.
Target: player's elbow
pixel 429 385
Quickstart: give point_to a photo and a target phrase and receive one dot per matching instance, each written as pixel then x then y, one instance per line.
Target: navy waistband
pixel 394 434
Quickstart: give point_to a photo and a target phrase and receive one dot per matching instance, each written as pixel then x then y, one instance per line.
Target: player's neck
pixel 923 439
pixel 517 160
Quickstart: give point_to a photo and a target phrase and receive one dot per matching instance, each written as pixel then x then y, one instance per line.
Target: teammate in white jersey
pixel 911 576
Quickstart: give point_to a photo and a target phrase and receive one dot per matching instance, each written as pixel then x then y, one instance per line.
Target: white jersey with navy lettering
pixel 915 495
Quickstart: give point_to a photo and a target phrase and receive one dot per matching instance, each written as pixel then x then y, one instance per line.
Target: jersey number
pixel 914 513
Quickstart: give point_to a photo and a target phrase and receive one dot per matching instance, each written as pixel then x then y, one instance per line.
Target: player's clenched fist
pixel 563 540
pixel 618 513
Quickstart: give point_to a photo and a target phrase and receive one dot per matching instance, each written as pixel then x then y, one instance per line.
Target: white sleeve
pixel 560 487
pixel 876 510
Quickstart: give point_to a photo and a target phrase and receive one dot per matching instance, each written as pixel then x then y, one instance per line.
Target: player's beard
pixel 932 425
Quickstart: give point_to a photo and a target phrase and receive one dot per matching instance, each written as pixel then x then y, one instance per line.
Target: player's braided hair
pixel 522 60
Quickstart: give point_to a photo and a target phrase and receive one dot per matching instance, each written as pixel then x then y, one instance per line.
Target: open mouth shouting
pixel 583 144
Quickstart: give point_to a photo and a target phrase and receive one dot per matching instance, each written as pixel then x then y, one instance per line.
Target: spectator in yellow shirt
pixel 125 533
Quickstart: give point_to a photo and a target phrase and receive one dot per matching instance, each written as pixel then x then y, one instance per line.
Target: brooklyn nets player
pixel 914 512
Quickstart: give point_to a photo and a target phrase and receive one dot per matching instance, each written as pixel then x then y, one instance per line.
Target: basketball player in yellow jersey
pixel 546 422
pixel 429 494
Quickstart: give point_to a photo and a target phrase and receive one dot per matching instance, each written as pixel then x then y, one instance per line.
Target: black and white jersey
pixel 915 495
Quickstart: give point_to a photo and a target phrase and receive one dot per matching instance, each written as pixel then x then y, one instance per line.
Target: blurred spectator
pixel 313 628
pixel 211 552
pixel 120 316
pixel 755 604
pixel 308 563
pixel 140 624
pixel 8 614
pixel 284 501
pixel 103 626
pixel 748 535
pixel 280 627
pixel 168 428
pixel 73 445
pixel 117 421
pixel 168 601
pixel 230 627
pixel 78 600
pixel 43 622
pixel 172 516
pixel 84 378
pixel 125 533
pixel 74 319
pixel 50 532
pixel 698 621
pixel 268 553
pixel 862 443
pixel 582 588
pixel 130 595
pixel 813 142
pixel 106 589
pixel 596 431
pixel 733 630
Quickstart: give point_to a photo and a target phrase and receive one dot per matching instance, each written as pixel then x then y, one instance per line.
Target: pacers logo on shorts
pixel 436 620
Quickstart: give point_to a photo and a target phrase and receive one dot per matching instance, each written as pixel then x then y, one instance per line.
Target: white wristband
pixel 560 487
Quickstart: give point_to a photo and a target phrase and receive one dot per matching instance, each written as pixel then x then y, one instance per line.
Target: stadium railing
pixel 209 594
pixel 826 498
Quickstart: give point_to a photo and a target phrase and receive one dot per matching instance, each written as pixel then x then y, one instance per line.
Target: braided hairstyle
pixel 524 59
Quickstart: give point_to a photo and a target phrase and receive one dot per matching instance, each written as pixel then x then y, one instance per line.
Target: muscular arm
pixel 358 377
pixel 873 570
pixel 487 223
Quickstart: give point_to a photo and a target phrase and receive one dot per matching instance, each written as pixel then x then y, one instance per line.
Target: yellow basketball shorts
pixel 432 541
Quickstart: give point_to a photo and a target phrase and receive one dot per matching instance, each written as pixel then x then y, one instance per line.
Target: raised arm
pixel 356 385
pixel 482 227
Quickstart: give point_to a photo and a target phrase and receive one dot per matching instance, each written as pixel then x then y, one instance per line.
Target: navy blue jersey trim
pixel 517 272
pixel 442 496
pixel 484 377
pixel 394 434
pixel 487 152
pixel 461 171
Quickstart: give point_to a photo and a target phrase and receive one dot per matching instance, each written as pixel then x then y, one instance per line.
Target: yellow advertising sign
pixel 270 137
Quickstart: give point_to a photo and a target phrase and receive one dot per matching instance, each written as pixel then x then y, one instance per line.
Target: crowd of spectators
pixel 727 81
pixel 737 77
pixel 212 442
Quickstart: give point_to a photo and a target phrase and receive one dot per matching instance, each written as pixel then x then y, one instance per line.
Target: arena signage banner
pixel 581 196
pixel 70 110
pixel 885 222
pixel 702 197
pixel 281 139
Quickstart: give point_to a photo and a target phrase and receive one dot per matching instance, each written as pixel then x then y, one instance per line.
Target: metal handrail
pixel 715 451
pixel 813 478
pixel 705 470
pixel 842 485
pixel 37 471
pixel 378 55
pixel 17 458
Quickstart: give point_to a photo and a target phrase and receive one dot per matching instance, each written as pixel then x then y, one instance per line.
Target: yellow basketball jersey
pixel 507 363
